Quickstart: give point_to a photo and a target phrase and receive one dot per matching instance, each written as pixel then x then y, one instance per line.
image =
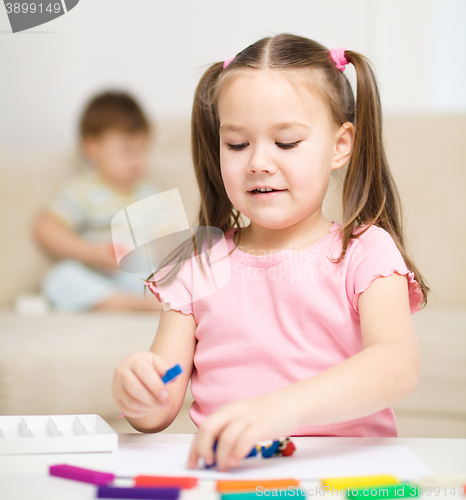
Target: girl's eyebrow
pixel 286 125
pixel 276 126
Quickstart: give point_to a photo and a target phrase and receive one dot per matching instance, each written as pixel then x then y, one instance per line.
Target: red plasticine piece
pixel 286 447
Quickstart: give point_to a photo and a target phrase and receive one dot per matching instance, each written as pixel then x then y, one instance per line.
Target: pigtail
pixel 216 209
pixel 369 192
pixel 205 146
pixel 370 196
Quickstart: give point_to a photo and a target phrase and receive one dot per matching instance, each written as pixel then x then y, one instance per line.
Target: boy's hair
pixel 112 111
pixel 370 196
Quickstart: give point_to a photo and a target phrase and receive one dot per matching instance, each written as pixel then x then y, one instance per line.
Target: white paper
pixel 309 462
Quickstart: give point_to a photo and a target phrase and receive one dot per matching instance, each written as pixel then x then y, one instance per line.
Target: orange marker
pixel 166 481
pixel 242 485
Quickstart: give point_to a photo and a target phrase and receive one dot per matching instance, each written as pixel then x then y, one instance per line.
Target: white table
pixel 24 477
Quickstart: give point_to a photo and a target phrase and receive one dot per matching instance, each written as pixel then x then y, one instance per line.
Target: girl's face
pixel 273 136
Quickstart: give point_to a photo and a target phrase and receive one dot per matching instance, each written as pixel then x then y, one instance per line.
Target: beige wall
pixel 429 168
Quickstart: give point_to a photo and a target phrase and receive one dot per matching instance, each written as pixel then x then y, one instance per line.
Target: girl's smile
pixel 265 193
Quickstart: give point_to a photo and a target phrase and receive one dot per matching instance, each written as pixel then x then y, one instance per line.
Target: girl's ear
pixel 344 143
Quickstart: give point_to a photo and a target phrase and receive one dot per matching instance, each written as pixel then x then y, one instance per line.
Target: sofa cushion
pixel 64 363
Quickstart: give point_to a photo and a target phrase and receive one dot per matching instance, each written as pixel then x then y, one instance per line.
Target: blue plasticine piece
pixel 252 453
pixel 269 451
pixel 172 373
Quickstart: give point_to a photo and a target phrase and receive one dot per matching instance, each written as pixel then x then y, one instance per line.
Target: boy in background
pixel 75 225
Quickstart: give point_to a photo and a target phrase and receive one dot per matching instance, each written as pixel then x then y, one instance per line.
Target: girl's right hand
pixel 137 384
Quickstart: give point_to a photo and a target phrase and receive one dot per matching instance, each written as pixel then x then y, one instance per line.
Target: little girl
pixel 312 334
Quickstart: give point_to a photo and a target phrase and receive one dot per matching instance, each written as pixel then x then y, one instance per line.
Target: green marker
pixel 400 490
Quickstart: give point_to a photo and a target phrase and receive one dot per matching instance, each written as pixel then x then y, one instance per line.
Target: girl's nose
pixel 260 162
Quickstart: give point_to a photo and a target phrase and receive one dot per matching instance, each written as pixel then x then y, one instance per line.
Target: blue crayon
pixel 172 373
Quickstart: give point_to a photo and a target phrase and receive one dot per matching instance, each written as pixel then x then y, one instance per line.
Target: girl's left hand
pixel 240 425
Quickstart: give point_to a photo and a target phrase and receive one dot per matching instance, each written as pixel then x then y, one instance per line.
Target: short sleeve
pixel 193 282
pixel 376 255
pixel 68 207
pixel 175 293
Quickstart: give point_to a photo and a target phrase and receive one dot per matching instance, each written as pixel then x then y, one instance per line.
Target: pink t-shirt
pixel 282 318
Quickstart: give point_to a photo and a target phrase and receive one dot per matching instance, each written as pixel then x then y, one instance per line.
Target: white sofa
pixel 63 363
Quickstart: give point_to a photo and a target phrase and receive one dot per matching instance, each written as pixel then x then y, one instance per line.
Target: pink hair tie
pixel 227 62
pixel 338 56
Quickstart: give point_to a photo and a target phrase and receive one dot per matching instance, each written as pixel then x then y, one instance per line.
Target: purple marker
pixel 152 493
pixel 80 474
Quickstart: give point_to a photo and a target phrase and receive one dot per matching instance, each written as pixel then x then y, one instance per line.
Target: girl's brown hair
pixel 370 196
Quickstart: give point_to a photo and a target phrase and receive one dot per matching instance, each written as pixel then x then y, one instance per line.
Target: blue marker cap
pixel 172 373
